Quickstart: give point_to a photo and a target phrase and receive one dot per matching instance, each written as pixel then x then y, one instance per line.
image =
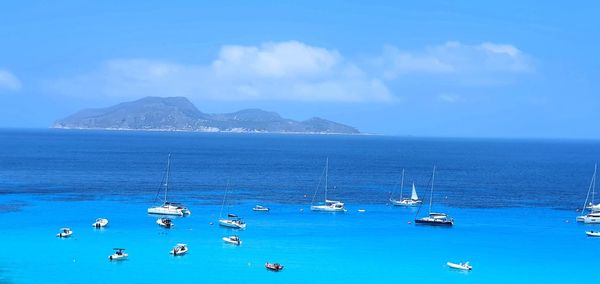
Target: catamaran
pixel 434 219
pixel 232 220
pixel 412 201
pixel 168 208
pixel 329 205
pixel 594 215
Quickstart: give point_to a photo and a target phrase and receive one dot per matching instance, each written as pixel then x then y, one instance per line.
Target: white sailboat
pixel 412 201
pixel 232 220
pixel 434 219
pixel 329 205
pixel 168 208
pixel 594 215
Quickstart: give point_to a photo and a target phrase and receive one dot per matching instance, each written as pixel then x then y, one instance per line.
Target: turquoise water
pixel 514 226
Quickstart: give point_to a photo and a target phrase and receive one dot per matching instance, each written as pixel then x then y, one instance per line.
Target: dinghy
pixel 179 249
pixel 64 233
pixel 260 208
pixel 165 222
pixel 234 240
pixel 118 255
pixel 100 223
pixel 274 266
pixel 461 266
pixel 593 234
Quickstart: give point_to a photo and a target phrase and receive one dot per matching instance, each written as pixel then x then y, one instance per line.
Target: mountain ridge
pixel 179 114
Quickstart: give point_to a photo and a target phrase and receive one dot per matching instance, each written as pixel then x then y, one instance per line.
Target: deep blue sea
pixel 514 204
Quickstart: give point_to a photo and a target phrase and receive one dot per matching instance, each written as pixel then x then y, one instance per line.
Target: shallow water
pixel 511 201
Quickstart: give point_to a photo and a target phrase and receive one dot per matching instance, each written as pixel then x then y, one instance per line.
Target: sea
pixel 514 203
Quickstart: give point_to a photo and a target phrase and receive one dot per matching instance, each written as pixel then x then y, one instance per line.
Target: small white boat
pixel 118 255
pixel 361 210
pixel 593 234
pixel 234 240
pixel 64 233
pixel 260 208
pixel 100 223
pixel 232 222
pixel 165 222
pixel 179 249
pixel 461 266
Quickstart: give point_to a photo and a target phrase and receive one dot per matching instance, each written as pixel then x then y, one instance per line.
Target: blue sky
pixel 448 68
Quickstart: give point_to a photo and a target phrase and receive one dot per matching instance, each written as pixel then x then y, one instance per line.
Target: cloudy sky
pixel 450 68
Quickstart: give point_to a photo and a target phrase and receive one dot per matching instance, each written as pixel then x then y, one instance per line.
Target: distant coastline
pixel 219 131
pixel 179 114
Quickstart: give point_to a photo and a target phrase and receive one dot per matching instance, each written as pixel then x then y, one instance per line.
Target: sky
pixel 508 69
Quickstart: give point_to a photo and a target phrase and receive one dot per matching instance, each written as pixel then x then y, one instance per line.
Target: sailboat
pixel 412 201
pixel 168 208
pixel 434 219
pixel 594 215
pixel 329 205
pixel 232 220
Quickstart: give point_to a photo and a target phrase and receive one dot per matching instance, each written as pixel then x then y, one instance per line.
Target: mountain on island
pixel 179 114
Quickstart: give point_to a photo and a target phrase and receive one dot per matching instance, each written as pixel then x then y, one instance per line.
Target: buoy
pixel 409 222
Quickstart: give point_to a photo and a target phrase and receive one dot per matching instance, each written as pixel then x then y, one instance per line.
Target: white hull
pixel 118 256
pixel 181 251
pixel 162 223
pixel 459 266
pixel 326 208
pixel 232 224
pixel 230 241
pixel 162 210
pixel 100 223
pixel 591 220
pixel 592 234
pixel 580 218
pixel 405 202
pixel 64 235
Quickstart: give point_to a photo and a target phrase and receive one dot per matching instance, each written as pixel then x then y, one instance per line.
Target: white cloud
pixel 484 63
pixel 9 81
pixel 290 71
pixel 295 71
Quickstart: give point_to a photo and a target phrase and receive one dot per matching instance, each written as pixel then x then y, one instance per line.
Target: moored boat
pixel 592 218
pixel 64 233
pixel 168 208
pixel 234 240
pixel 179 249
pixel 461 266
pixel 274 266
pixel 100 223
pixel 593 208
pixel 407 202
pixel 593 234
pixel 165 222
pixel 118 255
pixel 233 221
pixel 260 208
pixel 434 219
pixel 329 205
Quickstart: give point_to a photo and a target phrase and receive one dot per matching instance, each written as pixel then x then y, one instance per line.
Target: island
pixel 179 114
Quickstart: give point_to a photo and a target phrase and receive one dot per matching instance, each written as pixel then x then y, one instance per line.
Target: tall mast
pixel 167 176
pixel 326 174
pixel 594 184
pixel 224 198
pixel 402 184
pixel 431 195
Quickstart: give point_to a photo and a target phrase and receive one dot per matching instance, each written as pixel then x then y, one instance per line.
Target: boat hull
pixel 325 208
pixel 459 266
pixel 100 223
pixel 179 252
pixel 230 241
pixel 592 234
pixel 591 220
pixel 444 223
pixel 165 211
pixel 118 257
pixel 405 202
pixel 231 224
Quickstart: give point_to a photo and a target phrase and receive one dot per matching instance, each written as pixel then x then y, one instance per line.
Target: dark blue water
pixel 513 202
pixel 471 173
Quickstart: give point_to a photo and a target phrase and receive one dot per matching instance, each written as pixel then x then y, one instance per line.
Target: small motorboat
pixel 100 223
pixel 593 234
pixel 165 222
pixel 274 266
pixel 234 240
pixel 260 208
pixel 461 266
pixel 179 249
pixel 64 233
pixel 118 255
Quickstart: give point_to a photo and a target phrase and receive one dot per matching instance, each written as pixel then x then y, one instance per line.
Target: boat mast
pixel 224 198
pixel 326 174
pixel 594 183
pixel 431 194
pixel 167 176
pixel 402 184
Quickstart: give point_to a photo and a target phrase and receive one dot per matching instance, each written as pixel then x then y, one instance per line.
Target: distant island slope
pixel 179 114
